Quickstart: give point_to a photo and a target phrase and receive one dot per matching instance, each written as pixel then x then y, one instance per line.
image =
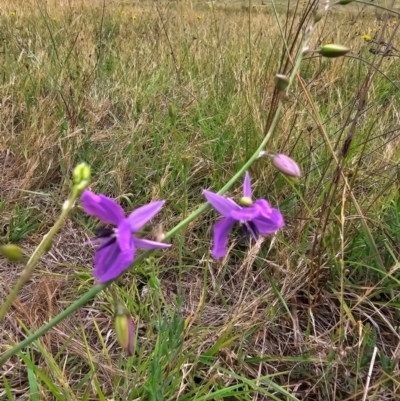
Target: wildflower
pixel 117 245
pixel 134 17
pixel 199 17
pixel 366 37
pixel 286 165
pixel 328 41
pixel 12 12
pixel 122 12
pixel 257 218
pixel 125 329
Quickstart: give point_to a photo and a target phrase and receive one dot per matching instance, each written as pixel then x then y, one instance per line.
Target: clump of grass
pixel 163 105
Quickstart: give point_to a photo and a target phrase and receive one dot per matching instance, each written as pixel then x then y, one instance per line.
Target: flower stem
pixel 44 245
pixel 97 288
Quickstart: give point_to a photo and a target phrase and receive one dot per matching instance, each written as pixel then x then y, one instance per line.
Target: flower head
pixel 366 37
pixel 257 218
pixel 117 245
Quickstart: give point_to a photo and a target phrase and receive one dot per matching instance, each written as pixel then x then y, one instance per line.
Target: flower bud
pixel 318 14
pixel 12 252
pixel 332 50
pixel 281 82
pixel 125 330
pixel 344 2
pixel 286 165
pixel 245 201
pixel 81 176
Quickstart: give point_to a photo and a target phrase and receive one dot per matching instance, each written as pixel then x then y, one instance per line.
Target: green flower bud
pixel 81 176
pixel 281 82
pixel 344 2
pixel 245 201
pixel 318 14
pixel 12 252
pixel 332 50
pixel 125 330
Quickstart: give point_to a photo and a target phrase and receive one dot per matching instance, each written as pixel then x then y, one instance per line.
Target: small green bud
pixel 344 2
pixel 332 50
pixel 125 330
pixel 81 176
pixel 281 82
pixel 318 14
pixel 12 252
pixel 245 201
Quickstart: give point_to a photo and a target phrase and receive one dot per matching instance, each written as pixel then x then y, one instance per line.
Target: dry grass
pixel 163 100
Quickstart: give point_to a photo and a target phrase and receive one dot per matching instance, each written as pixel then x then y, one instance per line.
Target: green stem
pixel 392 11
pixel 44 245
pixel 96 289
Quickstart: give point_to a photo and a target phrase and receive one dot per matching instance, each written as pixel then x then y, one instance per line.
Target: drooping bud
pixel 81 176
pixel 245 201
pixel 333 50
pixel 286 165
pixel 318 14
pixel 12 252
pixel 125 330
pixel 281 82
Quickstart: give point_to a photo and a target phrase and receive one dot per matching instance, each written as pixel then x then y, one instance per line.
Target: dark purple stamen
pixel 251 229
pixel 108 234
pixel 104 232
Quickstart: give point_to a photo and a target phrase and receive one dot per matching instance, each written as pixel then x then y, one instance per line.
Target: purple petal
pixel 221 233
pixel 139 217
pixel 110 262
pixel 124 235
pixel 147 244
pixel 245 214
pixel 247 186
pixel 104 208
pixel 263 207
pixel 222 205
pixel 271 224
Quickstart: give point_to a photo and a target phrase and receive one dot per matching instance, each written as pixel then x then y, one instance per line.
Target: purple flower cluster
pixel 117 245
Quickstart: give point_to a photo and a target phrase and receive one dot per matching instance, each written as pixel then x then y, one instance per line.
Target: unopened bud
pixel 344 2
pixel 286 165
pixel 318 14
pixel 281 82
pixel 332 50
pixel 81 176
pixel 12 252
pixel 245 201
pixel 125 330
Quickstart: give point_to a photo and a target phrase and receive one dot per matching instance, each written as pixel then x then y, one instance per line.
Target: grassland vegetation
pixel 164 100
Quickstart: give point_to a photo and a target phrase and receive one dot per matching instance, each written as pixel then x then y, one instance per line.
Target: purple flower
pixel 117 245
pixel 257 218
